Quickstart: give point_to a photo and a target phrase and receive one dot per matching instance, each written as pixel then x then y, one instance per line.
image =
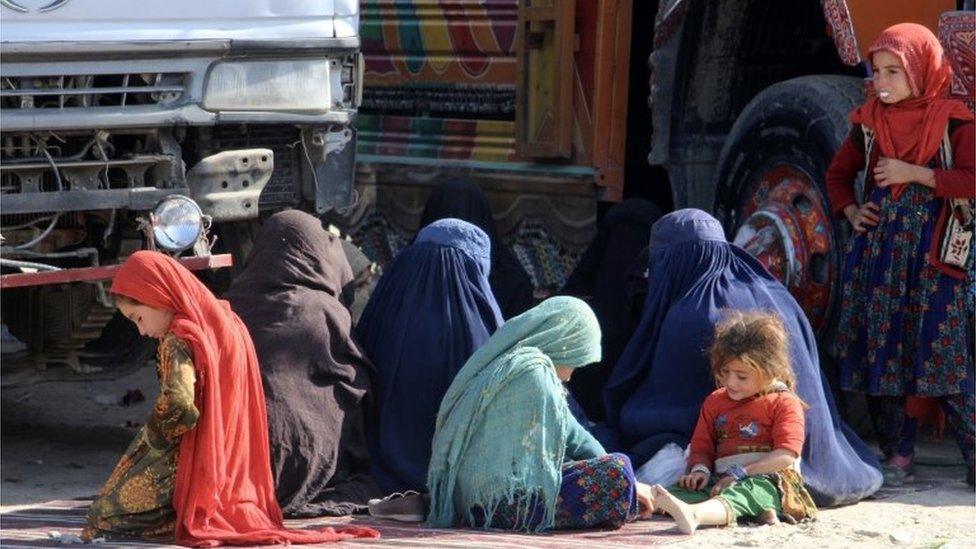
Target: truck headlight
pixel 298 85
pixel 177 223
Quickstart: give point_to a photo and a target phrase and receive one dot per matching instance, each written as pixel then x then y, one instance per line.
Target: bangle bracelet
pixel 737 472
pixel 701 468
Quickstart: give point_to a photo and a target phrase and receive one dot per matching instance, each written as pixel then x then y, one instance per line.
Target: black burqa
pixel 461 199
pixel 316 379
pixel 602 278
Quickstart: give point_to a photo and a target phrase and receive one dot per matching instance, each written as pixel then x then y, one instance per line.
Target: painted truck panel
pixel 958 35
pixel 440 79
pixel 870 17
pixel 453 65
pixel 458 43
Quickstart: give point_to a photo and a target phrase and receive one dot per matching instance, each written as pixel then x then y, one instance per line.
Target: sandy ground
pixel 941 516
pixel 60 441
pixel 84 404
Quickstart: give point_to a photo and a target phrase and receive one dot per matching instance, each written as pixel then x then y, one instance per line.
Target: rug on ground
pixel 33 525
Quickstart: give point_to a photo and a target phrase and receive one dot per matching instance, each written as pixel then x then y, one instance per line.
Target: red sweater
pixel 758 424
pixel 959 182
pixel 955 183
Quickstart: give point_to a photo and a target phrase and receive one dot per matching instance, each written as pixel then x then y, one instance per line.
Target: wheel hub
pixel 787 227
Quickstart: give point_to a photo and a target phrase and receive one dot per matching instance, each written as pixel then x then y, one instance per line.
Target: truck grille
pixel 91 90
pixel 283 190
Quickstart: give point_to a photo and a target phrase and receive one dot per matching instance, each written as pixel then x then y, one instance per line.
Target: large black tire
pixel 803 120
pixel 800 123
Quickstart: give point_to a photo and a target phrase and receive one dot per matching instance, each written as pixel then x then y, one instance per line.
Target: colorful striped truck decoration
pixel 439 41
pixel 435 138
pixel 440 79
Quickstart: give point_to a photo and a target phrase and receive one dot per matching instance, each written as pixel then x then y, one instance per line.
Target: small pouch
pixel 956 240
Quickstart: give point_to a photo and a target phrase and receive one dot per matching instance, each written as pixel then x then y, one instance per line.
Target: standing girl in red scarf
pixel 200 470
pixel 906 318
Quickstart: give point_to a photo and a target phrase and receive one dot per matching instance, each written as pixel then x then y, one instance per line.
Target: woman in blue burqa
pixel 459 198
pixel 508 453
pixel 430 311
pixel 656 389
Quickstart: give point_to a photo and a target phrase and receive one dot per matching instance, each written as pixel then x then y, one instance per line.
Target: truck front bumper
pixel 103 272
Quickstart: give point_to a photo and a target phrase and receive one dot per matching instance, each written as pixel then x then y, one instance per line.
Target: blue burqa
pixel 431 310
pixel 656 389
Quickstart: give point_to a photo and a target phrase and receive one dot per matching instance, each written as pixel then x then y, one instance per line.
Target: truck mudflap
pixel 332 156
pixel 102 272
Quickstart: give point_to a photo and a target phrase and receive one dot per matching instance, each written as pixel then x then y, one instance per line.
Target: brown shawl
pixel 316 379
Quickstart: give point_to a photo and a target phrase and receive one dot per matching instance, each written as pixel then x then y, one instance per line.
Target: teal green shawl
pixel 502 426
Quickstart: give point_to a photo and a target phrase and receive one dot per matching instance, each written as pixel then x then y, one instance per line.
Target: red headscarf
pixel 912 129
pixel 224 492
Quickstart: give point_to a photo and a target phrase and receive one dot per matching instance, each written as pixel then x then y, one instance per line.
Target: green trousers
pixel 747 498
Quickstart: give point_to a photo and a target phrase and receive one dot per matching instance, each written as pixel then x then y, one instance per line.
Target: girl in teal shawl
pixel 506 442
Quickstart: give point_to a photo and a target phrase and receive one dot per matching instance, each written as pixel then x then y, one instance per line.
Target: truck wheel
pixel 771 186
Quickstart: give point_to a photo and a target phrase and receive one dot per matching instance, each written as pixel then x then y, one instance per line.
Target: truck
pixel 129 125
pixel 559 108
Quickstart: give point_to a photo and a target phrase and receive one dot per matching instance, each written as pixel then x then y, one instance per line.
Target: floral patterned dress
pixel 599 492
pixel 136 501
pixel 905 328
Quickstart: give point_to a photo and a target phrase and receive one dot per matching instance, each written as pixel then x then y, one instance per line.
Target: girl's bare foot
pixel 680 511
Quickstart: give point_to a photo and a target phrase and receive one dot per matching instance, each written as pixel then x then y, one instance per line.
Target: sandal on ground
pixel 409 506
pixel 896 474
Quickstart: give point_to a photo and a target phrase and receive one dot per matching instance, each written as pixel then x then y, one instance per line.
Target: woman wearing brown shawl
pixel 316 380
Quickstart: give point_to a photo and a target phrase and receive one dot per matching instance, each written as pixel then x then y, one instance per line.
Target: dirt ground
pixel 60 441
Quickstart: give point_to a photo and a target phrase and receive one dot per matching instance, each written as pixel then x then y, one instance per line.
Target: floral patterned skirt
pixel 595 493
pixel 137 499
pixel 905 328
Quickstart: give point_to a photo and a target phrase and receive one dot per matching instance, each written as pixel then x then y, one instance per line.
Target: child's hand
pixel 693 481
pixel 864 217
pixel 891 171
pixel 723 482
pixel 645 498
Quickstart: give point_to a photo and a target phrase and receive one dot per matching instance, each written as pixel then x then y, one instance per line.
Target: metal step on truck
pixel 175 125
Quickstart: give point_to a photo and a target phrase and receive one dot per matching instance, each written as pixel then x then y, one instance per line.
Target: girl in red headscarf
pixel 906 318
pixel 199 471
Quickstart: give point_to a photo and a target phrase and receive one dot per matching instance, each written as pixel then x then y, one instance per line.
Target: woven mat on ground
pixel 31 525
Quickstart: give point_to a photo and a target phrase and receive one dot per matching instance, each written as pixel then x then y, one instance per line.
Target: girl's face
pixel 740 380
pixel 151 322
pixel 890 78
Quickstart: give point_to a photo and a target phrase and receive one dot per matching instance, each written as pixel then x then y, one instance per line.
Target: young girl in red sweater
pixel 749 432
pixel 906 313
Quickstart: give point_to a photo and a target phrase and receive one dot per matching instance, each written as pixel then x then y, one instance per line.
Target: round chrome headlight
pixel 177 223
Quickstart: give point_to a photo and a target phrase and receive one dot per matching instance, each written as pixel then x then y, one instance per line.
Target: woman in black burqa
pixel 316 380
pixel 604 279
